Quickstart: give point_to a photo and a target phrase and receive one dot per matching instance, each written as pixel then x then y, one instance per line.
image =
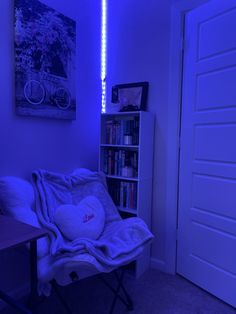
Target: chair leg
pixel 18 306
pixel 130 305
pixel 117 292
pixel 127 301
pixel 114 291
pixel 60 297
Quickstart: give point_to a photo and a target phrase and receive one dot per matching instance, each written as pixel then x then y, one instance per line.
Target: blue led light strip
pixel 104 53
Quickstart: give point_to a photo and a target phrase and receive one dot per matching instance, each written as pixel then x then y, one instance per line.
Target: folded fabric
pixel 53 190
pixel 121 240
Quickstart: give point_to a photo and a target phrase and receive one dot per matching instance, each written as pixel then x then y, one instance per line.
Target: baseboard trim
pixel 158 264
pixel 16 294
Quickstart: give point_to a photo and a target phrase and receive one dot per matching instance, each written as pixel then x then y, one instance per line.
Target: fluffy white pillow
pixel 16 200
pixel 84 220
pixel 15 192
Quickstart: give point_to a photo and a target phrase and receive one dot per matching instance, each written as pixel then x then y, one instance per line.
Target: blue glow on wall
pixel 104 53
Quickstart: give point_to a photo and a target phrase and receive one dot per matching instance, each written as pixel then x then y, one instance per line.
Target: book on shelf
pixel 123 193
pixel 116 129
pixel 115 161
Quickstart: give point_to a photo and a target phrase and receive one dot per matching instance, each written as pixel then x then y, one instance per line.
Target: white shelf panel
pixel 127 210
pixel 144 139
pixel 120 146
pixel 123 113
pixel 121 178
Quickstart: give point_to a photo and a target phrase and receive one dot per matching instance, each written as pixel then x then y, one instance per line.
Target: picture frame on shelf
pixel 131 96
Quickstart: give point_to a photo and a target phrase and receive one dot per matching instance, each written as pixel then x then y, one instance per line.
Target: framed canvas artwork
pixel 131 96
pixel 45 52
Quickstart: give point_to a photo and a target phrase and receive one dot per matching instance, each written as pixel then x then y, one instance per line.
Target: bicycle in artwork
pixel 47 90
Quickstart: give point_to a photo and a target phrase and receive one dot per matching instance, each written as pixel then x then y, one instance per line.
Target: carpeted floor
pixel 153 293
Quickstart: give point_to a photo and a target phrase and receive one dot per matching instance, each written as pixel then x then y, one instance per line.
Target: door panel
pixel 207 194
pixel 209 92
pixel 206 245
pixel 215 142
pixel 215 27
pixel 202 230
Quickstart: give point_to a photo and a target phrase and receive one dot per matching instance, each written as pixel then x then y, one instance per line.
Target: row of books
pixel 117 129
pixel 124 194
pixel 119 162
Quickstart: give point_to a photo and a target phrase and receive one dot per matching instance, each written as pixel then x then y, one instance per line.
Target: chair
pixel 17 199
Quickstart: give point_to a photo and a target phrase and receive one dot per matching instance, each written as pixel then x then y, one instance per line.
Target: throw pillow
pixel 16 200
pixel 84 220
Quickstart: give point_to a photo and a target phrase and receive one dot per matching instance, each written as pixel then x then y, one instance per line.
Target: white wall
pixel 30 143
pixel 138 50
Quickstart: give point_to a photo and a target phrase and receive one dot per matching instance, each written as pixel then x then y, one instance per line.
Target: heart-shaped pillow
pixel 84 220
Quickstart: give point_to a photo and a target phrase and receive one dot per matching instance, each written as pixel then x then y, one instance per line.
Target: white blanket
pixel 120 242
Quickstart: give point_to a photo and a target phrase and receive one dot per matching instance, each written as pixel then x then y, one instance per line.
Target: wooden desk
pixel 14 233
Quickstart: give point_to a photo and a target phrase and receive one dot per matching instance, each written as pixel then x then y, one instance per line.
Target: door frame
pixel 178 11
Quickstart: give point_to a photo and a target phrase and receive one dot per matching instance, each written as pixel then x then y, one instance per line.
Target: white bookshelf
pixel 114 154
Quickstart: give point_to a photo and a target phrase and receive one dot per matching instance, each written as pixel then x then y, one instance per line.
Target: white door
pixel 206 252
